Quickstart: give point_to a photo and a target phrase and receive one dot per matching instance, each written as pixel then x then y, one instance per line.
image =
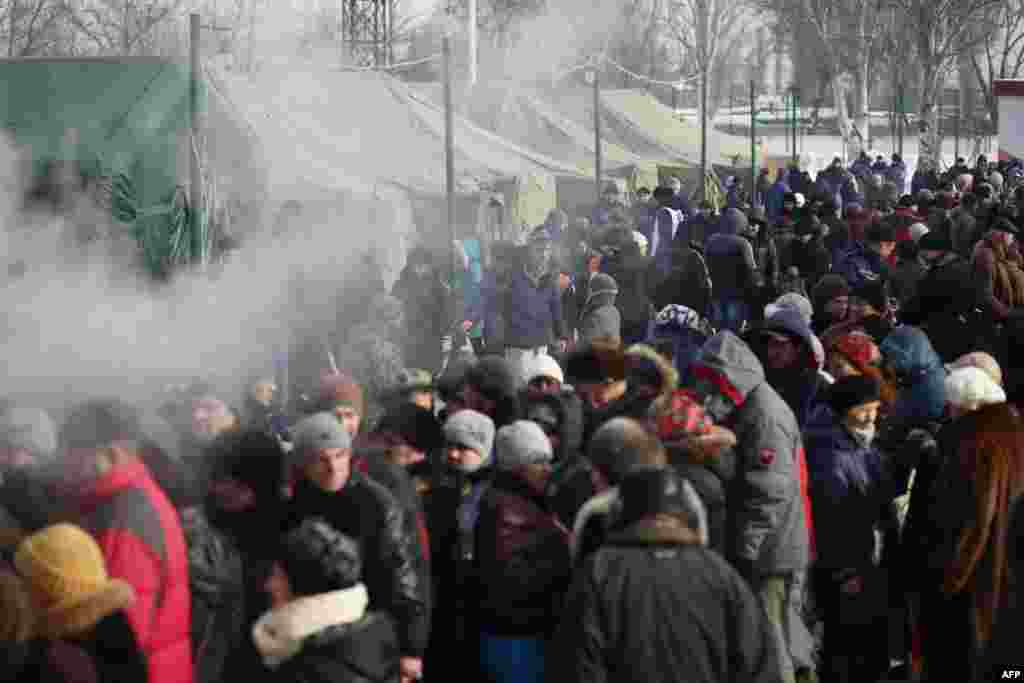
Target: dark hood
pixel 728 355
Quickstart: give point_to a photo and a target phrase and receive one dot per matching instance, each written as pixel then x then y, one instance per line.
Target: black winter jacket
pixel 364 510
pixel 653 606
pixel 217 585
pixel 360 652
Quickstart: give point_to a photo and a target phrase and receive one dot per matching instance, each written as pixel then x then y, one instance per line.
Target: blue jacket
pixel 532 312
pixel 850 487
pixel 922 396
pixel 774 199
pixel 860 265
pixel 730 259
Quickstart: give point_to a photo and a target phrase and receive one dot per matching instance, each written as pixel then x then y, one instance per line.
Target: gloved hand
pixel 921 448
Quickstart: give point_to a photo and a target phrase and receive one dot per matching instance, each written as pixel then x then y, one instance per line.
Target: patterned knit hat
pixel 67 575
pixel 319 559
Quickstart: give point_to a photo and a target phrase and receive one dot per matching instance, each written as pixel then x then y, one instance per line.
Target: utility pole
pixel 449 151
pixel 196 181
pixel 753 141
pixel 598 161
pixel 473 50
pixel 703 31
pixel 795 98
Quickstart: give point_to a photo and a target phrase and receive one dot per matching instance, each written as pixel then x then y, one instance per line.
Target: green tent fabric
pixel 125 114
pixel 123 122
pixel 661 129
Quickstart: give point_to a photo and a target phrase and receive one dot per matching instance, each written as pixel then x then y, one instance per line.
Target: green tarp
pixel 111 116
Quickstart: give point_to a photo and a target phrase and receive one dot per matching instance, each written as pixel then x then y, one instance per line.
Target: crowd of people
pixel 655 442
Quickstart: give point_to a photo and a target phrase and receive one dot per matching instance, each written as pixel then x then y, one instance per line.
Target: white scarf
pixel 279 633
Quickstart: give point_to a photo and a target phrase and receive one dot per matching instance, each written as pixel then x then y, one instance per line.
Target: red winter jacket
pixel 143 544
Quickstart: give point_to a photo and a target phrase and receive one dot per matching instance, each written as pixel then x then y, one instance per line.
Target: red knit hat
pixel 682 417
pixel 341 389
pixel 857 347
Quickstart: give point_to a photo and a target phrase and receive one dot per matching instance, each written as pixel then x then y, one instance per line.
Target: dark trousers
pixel 856 627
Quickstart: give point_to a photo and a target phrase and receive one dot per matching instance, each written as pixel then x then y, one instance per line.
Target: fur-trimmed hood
pixel 281 633
pixel 603 504
pixel 661 530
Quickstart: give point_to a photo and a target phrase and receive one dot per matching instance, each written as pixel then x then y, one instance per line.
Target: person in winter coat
pixel 28 444
pixel 321 628
pixel 997 269
pixel 775 195
pixel 784 345
pixel 854 353
pixel 215 564
pixel 137 528
pixel 522 555
pixel 907 273
pixel 868 261
pixel 261 410
pixel 1003 651
pixel 733 271
pixel 600 319
pixel 560 415
pixel 373 353
pixel 851 485
pixel 968 584
pixel 630 269
pixel 702 453
pixel 533 308
pixel 770 527
pixel 492 387
pixel 673 609
pixel 910 361
pixel 830 298
pixel 454 509
pixel 426 305
pixel 617 446
pixel 669 224
pixel 685 330
pixel 78 603
pixel 359 507
pixel 27 658
pixel 948 303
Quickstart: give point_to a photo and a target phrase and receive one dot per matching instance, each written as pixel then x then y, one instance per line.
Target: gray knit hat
pixel 470 429
pixel 318 431
pixel 522 443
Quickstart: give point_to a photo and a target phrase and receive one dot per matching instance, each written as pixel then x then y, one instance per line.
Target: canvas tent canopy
pixel 376 129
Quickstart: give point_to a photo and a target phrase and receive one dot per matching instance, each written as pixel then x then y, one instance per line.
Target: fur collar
pixel 280 633
pixel 660 530
pixel 70 619
pixel 601 504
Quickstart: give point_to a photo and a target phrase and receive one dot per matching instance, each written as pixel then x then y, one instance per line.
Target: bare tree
pixel 1001 57
pixel 121 27
pixel 708 32
pixel 940 31
pixel 32 27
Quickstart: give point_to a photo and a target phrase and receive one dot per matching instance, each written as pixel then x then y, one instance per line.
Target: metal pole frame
pixel 598 152
pixel 753 142
pixel 195 178
pixel 449 155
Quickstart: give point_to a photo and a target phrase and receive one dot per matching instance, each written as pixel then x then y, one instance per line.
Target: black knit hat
pixel 830 286
pixel 319 559
pixel 874 292
pixel 494 378
pixel 852 391
pixel 595 364
pixel 416 426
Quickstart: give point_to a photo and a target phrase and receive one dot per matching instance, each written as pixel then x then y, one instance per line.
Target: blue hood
pixel 908 351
